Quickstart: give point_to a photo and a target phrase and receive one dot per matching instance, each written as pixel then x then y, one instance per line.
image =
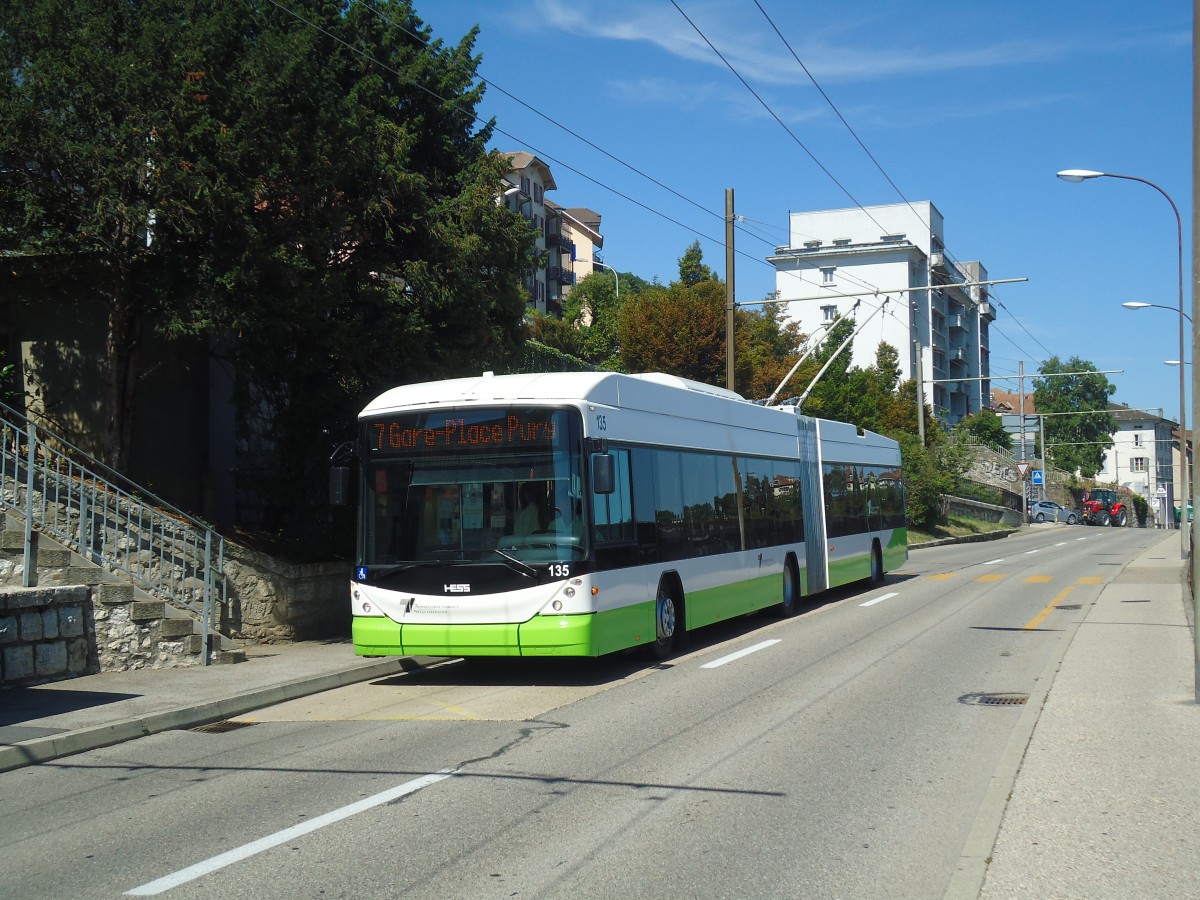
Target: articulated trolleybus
pixel 578 514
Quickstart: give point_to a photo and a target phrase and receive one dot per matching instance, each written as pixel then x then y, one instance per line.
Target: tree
pixel 985 427
pixel 324 217
pixel 678 329
pixel 1076 441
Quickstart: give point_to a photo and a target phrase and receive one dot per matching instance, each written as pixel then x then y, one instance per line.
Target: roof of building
pixel 1004 402
pixel 522 160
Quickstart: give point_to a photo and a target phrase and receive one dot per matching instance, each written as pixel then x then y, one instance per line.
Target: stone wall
pixel 986 512
pixel 43 634
pixel 271 600
pixel 55 632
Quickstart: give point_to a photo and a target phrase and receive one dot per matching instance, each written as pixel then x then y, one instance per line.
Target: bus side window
pixel 614 512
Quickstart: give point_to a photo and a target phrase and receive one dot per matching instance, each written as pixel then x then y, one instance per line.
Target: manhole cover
pixel 221 727
pixel 987 699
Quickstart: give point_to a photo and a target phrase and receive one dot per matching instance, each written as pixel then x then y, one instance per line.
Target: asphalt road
pixel 844 753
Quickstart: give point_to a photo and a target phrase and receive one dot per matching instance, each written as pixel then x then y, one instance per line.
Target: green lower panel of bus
pixel 721 603
pixel 579 635
pixel 858 567
pixel 848 569
pixel 896 552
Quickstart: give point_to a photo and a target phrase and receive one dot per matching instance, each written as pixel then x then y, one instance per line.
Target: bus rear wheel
pixel 791 590
pixel 876 563
pixel 668 620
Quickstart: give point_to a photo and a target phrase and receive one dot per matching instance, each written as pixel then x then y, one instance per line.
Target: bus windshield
pixel 473 485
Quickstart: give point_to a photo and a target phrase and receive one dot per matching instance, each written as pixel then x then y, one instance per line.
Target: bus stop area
pixel 1097 795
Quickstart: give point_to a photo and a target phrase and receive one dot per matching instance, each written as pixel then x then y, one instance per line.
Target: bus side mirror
pixel 339 485
pixel 604 474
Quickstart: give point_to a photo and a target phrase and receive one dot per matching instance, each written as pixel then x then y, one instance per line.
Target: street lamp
pixel 596 262
pixel 1075 176
pixel 1138 304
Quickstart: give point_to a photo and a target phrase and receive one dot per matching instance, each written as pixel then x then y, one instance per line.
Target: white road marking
pixel 1029 552
pixel 994 562
pixel 191 873
pixel 746 652
pixel 880 598
pixel 1061 544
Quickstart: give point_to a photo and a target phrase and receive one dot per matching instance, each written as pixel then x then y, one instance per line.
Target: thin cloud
pixel 834 54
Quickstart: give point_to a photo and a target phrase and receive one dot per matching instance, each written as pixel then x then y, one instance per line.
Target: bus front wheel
pixel 668 620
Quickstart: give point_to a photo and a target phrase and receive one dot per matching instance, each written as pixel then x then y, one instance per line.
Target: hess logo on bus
pixel 457 588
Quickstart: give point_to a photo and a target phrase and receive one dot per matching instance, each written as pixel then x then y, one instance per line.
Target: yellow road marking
pixel 1091 579
pixel 1037 620
pixel 1039 579
pixel 995 576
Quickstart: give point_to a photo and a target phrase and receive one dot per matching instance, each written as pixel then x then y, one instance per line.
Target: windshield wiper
pixel 402 568
pixel 518 565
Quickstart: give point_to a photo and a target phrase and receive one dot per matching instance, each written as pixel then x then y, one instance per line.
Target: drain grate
pixel 1069 606
pixel 221 727
pixel 987 699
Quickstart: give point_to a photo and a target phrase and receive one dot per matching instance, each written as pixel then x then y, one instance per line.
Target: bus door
pixel 874 505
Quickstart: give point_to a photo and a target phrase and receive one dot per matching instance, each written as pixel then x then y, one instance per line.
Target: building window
pixel 1137 439
pixel 827 275
pixel 537 193
pixel 892 238
pixel 1137 464
pixel 828 313
pixel 525 185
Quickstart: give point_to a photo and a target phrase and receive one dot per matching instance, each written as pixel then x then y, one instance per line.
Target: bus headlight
pixel 569 592
pixel 556 606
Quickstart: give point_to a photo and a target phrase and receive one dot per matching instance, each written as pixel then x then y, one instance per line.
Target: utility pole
pixel 920 393
pixel 729 288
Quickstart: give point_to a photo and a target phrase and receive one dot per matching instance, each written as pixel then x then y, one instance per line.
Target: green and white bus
pixel 579 514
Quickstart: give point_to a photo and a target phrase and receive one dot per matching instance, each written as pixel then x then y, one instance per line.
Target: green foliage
pixel 985 427
pixel 325 219
pixel 537 357
pixel 1141 508
pixel 1075 442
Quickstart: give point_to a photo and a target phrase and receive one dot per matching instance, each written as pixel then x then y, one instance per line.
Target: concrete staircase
pixel 77 618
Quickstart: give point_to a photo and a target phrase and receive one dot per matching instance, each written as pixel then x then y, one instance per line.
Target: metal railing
pixel 101 515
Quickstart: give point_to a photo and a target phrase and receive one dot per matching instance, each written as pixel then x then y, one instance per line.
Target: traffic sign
pixel 1023 468
pixel 1039 477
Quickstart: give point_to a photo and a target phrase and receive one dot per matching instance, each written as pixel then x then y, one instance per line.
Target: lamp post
pixel 1075 176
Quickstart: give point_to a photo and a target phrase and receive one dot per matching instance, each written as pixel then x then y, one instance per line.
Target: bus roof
pixel 595 387
pixel 664 397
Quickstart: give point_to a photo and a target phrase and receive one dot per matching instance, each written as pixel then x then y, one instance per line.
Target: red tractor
pixel 1102 506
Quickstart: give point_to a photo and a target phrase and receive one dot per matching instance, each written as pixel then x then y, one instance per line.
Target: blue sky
pixel 972 106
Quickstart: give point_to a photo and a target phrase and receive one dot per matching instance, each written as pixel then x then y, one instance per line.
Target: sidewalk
pixel 1097 796
pixel 52 720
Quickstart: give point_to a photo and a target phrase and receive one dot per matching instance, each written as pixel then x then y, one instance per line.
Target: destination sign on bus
pixel 499 429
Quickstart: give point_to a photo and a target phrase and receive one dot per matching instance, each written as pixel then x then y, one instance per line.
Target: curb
pixel 37 750
pixel 966 539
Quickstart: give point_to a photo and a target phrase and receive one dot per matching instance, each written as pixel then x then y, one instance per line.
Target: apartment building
pixel 1144 454
pixel 849 261
pixel 568 238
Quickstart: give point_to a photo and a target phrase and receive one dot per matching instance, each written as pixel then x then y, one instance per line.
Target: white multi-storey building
pixel 837 258
pixel 1142 457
